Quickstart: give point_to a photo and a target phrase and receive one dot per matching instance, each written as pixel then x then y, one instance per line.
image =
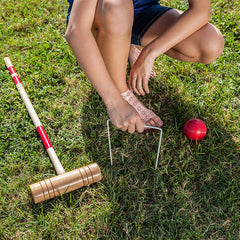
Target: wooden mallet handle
pixel 51 152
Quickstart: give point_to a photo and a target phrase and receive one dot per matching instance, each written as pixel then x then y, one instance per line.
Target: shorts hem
pixel 137 38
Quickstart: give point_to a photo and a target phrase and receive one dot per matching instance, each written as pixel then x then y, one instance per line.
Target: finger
pixel 124 129
pixel 130 82
pixel 139 125
pixel 139 86
pixel 134 83
pixel 145 85
pixel 124 126
pixel 117 124
pixel 131 128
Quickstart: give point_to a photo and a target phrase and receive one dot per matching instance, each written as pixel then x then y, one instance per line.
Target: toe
pixel 150 122
pixel 158 122
pixel 153 74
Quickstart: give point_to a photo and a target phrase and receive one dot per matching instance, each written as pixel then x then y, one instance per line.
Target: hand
pixel 140 73
pixel 124 116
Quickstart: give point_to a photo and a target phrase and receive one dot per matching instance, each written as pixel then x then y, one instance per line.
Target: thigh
pixel 192 47
pixel 160 25
pixel 144 16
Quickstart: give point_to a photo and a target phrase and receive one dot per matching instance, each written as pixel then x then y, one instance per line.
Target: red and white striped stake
pixel 52 154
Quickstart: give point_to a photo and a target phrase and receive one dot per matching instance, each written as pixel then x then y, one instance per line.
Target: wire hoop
pixel 159 143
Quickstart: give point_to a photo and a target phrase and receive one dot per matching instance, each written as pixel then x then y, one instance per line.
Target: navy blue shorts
pixel 144 19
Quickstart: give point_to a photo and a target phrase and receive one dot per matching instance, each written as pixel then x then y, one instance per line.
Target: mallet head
pixel 67 182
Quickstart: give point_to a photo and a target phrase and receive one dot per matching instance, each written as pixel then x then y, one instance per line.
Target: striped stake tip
pixel 8 62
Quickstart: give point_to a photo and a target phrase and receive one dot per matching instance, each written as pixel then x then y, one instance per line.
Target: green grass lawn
pixel 194 193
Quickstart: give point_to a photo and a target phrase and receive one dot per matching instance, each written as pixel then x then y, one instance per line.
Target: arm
pixel 84 46
pixel 195 17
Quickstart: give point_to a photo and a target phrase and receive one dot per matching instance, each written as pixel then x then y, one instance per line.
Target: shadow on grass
pixel 192 194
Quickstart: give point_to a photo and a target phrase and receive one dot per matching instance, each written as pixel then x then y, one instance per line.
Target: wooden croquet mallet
pixel 64 182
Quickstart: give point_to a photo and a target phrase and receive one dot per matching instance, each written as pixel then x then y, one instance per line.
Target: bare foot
pixel 147 116
pixel 133 55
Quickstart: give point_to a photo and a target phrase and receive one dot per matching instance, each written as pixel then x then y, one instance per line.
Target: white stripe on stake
pixel 14 75
pixel 28 104
pixel 56 163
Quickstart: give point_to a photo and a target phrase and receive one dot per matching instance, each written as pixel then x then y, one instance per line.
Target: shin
pixel 114 23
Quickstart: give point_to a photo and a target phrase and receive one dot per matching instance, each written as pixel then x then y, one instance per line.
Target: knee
pixel 213 46
pixel 114 16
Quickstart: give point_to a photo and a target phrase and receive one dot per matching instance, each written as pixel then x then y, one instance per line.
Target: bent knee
pixel 114 16
pixel 213 45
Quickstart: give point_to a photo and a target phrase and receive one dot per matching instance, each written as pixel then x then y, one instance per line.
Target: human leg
pixel 205 45
pixel 113 23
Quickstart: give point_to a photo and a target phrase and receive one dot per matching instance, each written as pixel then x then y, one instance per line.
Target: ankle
pixel 144 113
pixel 134 51
pixel 129 97
pixel 126 95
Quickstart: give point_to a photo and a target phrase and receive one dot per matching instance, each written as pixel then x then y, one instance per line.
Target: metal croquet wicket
pixel 159 143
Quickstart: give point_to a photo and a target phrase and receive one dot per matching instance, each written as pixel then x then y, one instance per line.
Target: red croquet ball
pixel 195 129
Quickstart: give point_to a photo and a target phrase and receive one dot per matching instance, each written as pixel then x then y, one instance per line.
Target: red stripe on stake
pixel 11 70
pixel 16 80
pixel 44 137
